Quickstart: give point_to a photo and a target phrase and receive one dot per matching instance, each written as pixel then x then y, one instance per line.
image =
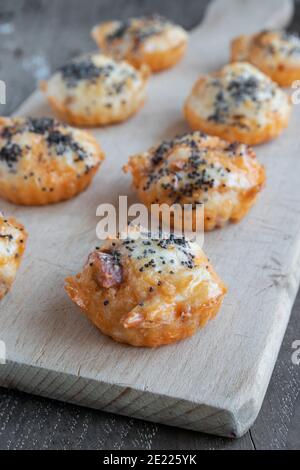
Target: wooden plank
pixel 217 391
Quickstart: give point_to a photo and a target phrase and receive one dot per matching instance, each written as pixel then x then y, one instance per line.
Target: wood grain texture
pixel 151 427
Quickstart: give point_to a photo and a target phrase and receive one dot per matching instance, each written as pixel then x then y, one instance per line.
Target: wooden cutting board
pixel 215 381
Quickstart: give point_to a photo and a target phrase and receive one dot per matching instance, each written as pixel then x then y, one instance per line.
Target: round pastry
pixel 238 103
pixel 12 245
pixel 95 90
pixel 43 161
pixel 147 291
pixel 150 40
pixel 199 169
pixel 276 53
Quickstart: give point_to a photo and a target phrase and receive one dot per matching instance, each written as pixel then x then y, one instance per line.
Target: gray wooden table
pixel 36 36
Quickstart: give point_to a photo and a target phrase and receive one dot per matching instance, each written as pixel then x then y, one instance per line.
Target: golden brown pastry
pixel 238 103
pixel 147 291
pixel 276 53
pixel 199 169
pixel 95 90
pixel 148 40
pixel 12 245
pixel 43 161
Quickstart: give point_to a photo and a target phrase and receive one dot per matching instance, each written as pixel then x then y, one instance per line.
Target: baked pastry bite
pixel 276 53
pixel 150 40
pixel 95 90
pixel 238 103
pixel 12 245
pixel 43 161
pixel 147 291
pixel 199 169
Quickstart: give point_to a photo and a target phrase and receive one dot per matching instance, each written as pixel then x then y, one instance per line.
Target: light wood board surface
pixel 214 382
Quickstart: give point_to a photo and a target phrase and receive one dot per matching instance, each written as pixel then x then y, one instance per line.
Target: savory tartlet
pixel 43 161
pixel 95 90
pixel 12 245
pixel 147 291
pixel 199 169
pixel 151 40
pixel 276 53
pixel 238 103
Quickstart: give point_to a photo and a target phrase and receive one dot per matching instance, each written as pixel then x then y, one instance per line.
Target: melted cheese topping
pixel 173 37
pixel 9 236
pixel 277 47
pixel 30 146
pixel 12 244
pixel 159 255
pixel 238 95
pixel 167 256
pixel 94 82
pixel 135 35
pixel 194 167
